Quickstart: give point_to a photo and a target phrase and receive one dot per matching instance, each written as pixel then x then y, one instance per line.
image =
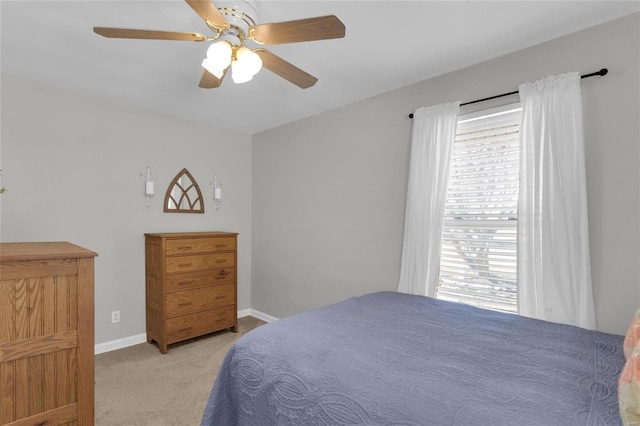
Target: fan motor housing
pixel 241 15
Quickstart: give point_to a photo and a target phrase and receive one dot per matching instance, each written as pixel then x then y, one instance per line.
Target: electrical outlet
pixel 115 317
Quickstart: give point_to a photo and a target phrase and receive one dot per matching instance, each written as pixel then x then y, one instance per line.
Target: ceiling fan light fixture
pixel 237 74
pixel 245 65
pixel 233 24
pixel 218 58
pixel 219 54
pixel 208 65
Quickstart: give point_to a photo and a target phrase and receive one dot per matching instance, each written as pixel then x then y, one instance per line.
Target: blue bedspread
pixel 394 359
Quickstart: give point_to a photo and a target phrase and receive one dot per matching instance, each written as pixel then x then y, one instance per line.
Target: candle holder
pixel 149 185
pixel 217 192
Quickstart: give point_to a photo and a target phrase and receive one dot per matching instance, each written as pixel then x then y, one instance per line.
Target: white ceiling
pixel 388 44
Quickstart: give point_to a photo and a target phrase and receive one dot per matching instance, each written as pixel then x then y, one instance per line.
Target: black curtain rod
pixel 603 71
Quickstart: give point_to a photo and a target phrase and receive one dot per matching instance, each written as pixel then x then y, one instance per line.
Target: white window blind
pixel 479 240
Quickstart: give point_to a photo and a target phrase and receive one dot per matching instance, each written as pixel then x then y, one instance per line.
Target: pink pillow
pixel 629 389
pixel 632 338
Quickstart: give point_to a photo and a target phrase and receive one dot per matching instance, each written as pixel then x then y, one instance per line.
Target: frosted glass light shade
pixel 249 60
pixel 209 66
pixel 238 73
pixel 220 54
pixel 218 58
pixel 245 66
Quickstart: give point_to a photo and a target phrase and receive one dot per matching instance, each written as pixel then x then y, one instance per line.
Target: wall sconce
pixel 149 187
pixel 217 192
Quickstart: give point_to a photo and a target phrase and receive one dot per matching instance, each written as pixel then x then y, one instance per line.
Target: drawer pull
pixel 184 265
pixel 184 248
pixel 220 245
pixel 185 329
pixel 221 261
pixel 221 319
pixel 221 297
pixel 186 282
pixel 224 273
pixel 185 304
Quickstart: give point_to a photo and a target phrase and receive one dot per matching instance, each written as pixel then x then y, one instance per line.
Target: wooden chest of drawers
pixel 46 334
pixel 191 285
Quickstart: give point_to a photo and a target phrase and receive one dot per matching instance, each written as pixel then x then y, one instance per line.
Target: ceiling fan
pixel 235 25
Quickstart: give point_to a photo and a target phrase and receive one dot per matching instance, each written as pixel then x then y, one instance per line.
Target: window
pixel 479 239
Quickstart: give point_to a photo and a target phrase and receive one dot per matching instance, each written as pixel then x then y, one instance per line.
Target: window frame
pixel 488 291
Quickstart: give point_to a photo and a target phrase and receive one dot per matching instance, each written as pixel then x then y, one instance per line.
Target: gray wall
pixel 329 191
pixel 71 165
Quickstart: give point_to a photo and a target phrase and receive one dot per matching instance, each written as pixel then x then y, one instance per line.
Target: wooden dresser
pixel 191 285
pixel 46 334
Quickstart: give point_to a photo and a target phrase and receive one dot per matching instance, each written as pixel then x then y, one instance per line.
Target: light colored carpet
pixel 138 385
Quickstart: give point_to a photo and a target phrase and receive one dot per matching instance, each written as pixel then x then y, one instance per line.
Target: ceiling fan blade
pixel 210 81
pixel 284 69
pixel 209 12
pixel 147 34
pixel 320 28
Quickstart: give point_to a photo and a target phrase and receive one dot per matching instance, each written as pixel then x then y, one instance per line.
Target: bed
pixel 389 358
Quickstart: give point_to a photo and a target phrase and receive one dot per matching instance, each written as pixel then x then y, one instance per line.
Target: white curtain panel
pixel 554 267
pixel 434 130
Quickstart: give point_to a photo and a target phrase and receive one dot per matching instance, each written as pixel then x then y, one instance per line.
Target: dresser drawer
pixel 199 299
pixel 186 326
pixel 200 279
pixel 199 262
pixel 199 245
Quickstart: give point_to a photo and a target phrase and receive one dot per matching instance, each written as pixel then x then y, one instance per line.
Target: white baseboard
pixel 120 343
pixel 244 313
pixel 258 314
pixel 142 338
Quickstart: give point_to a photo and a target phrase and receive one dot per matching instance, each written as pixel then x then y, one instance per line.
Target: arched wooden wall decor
pixel 183 195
